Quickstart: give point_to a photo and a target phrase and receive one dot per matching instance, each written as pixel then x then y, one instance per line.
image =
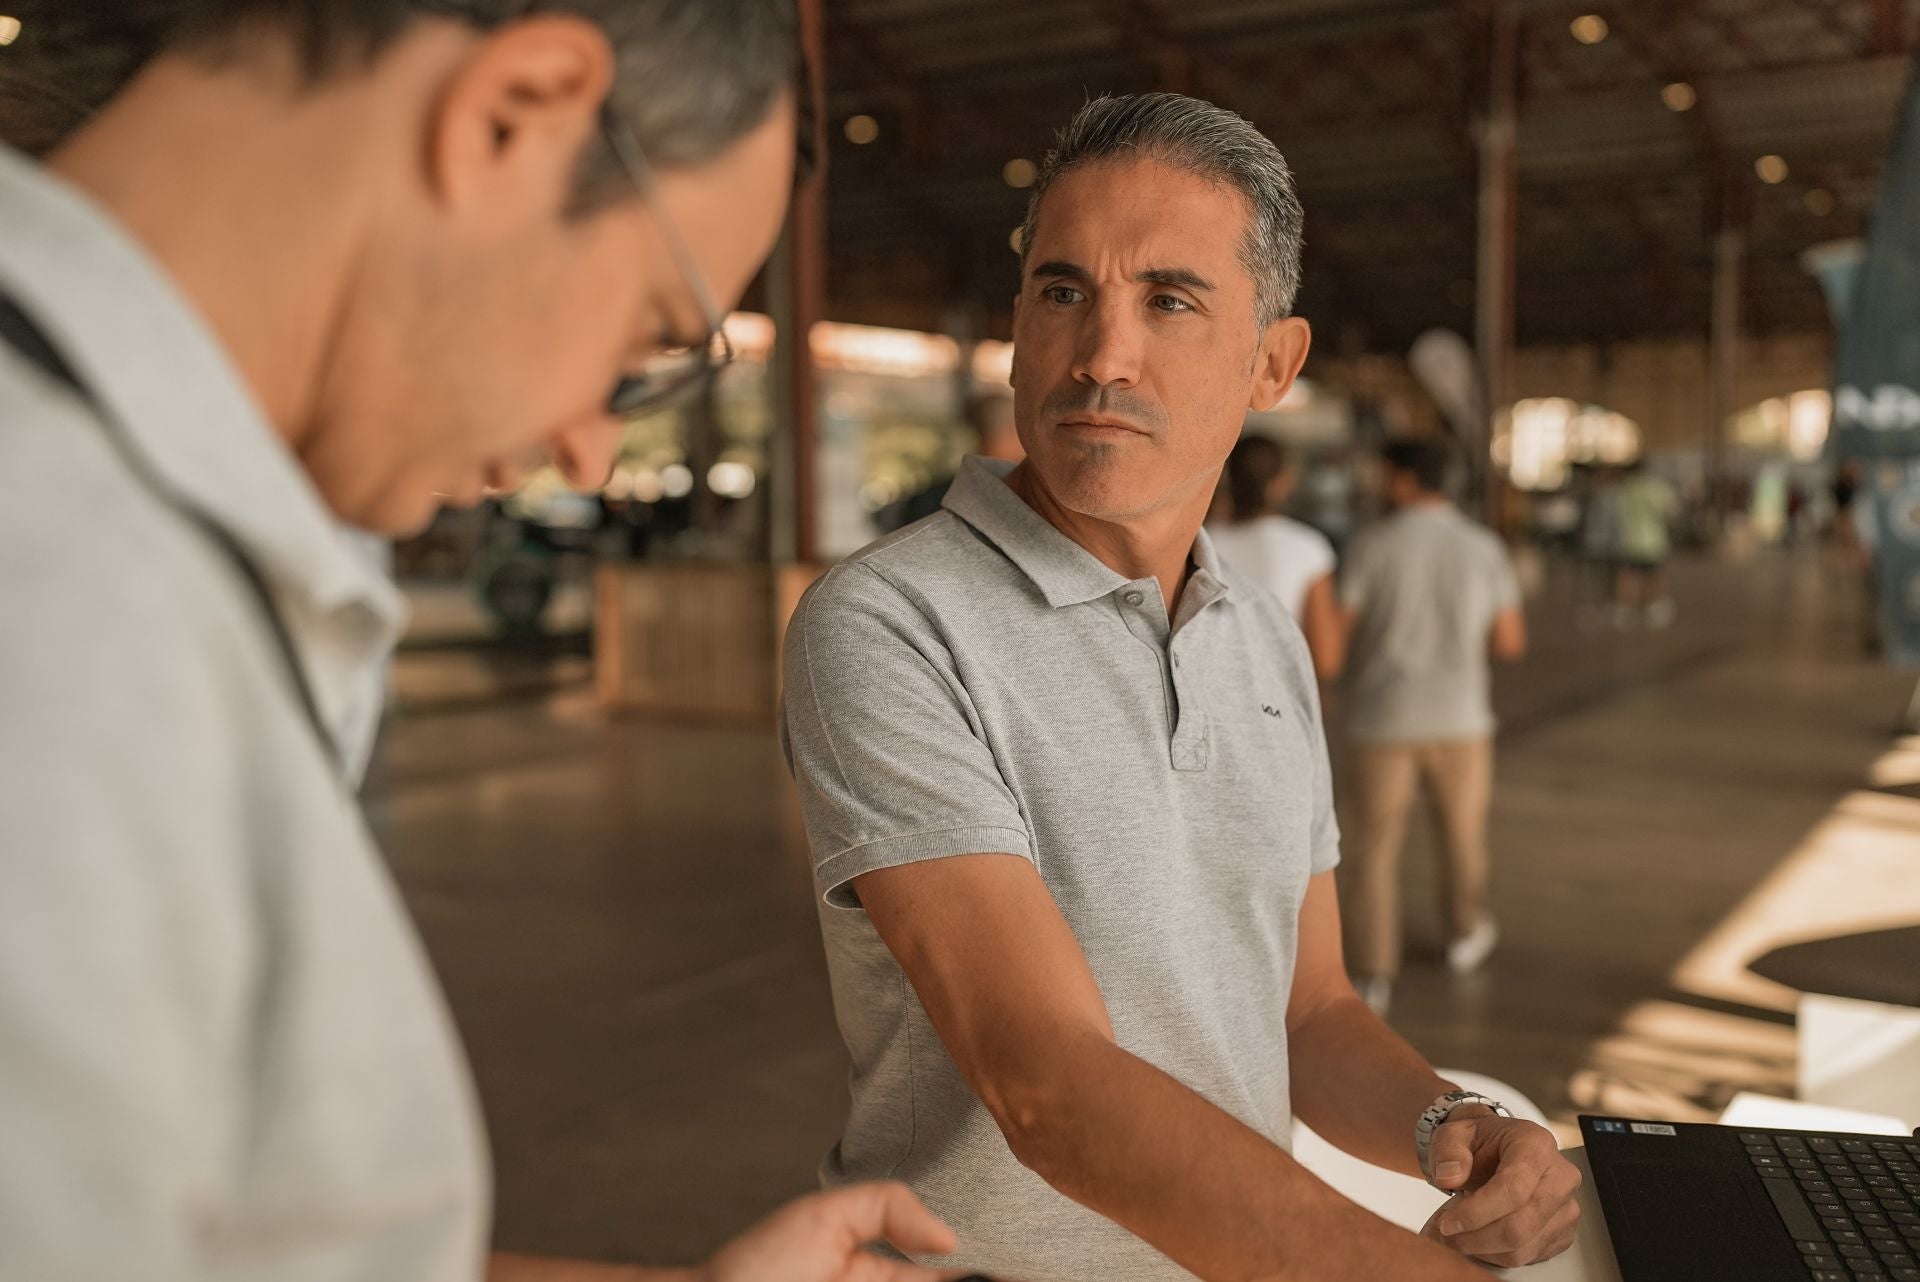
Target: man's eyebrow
pixel 1060 268
pixel 1178 276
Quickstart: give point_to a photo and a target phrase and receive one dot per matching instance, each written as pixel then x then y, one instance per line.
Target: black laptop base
pixel 1694 1203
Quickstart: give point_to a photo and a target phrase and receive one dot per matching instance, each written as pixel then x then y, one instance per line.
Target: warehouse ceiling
pixel 1375 103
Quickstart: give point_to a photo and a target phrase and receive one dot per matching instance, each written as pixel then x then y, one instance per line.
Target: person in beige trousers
pixel 1430 598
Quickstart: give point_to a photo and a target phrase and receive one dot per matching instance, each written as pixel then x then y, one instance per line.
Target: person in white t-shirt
pixel 1288 558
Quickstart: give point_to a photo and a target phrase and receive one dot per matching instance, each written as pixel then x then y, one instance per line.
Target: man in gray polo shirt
pixel 1067 793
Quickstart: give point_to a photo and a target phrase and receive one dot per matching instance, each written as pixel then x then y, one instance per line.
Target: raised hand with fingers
pixel 1514 1197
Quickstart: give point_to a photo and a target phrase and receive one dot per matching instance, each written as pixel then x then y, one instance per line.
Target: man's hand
pixel 823 1238
pixel 1515 1193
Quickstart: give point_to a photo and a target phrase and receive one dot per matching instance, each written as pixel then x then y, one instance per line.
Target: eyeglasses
pixel 676 371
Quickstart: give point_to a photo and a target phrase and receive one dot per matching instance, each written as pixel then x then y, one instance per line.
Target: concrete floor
pixel 620 912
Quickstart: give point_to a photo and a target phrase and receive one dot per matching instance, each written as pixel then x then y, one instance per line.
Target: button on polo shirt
pixel 979 683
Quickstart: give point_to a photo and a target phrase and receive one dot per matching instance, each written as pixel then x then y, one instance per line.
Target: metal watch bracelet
pixel 1435 1117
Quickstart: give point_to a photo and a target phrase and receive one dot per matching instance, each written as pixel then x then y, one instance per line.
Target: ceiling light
pixel 1020 172
pixel 731 479
pixel 1772 169
pixel 862 130
pixel 1589 28
pixel 9 29
pixel 1679 96
pixel 676 480
pixel 1820 202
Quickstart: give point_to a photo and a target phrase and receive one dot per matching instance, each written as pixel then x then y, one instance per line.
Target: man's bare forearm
pixel 1358 1083
pixel 1126 1140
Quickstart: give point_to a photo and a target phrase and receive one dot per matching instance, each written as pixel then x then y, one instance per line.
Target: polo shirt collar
pixel 1065 572
pixel 176 400
pixel 1207 583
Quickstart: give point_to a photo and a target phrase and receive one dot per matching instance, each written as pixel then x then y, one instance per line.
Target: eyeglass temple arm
pixel 626 149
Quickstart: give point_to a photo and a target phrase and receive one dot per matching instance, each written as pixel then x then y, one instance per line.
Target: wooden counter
pixel 693 639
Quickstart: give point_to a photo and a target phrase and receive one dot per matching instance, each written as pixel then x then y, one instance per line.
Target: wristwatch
pixel 1436 1115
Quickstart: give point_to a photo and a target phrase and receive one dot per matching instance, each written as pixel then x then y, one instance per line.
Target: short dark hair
pixel 1209 141
pixel 1429 463
pixel 693 77
pixel 1251 469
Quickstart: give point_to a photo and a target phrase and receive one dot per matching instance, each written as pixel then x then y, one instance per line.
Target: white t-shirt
pixel 1282 555
pixel 1424 586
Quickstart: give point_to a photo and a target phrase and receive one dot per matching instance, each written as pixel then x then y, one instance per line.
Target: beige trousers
pixel 1458 775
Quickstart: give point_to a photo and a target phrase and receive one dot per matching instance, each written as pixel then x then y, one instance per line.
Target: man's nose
pixel 585 453
pixel 1109 346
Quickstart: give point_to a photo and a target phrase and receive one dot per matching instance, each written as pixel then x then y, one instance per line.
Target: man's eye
pixel 1062 294
pixel 1168 303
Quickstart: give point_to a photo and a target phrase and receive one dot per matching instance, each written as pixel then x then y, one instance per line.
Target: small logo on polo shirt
pixel 1271 711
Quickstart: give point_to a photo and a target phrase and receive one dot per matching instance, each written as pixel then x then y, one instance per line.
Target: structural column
pixel 1494 310
pixel 796 291
pixel 1729 267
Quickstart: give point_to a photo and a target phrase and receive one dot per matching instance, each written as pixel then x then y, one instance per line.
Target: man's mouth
pixel 1102 424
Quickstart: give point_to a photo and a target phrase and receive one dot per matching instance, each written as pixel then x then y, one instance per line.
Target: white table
pixel 1590 1258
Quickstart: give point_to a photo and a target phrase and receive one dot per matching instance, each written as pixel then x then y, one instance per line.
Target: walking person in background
pixel 1599 548
pixel 1646 505
pixel 1429 597
pixel 1288 558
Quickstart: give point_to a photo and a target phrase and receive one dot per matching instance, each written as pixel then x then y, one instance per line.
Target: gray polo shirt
pixel 980 683
pixel 1424 586
pixel 222 1054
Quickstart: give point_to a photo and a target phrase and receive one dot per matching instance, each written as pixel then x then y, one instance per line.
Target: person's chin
pixel 401 516
pixel 1094 486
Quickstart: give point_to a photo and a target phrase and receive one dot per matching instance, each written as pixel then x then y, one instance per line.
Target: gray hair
pixel 1206 140
pixel 693 75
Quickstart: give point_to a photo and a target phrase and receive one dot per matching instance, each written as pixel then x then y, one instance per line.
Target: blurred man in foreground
pixel 1068 799
pixel 312 265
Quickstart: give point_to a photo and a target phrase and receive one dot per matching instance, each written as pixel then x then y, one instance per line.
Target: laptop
pixel 1687 1202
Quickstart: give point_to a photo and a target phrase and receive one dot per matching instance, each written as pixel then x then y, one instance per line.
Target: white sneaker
pixel 1470 952
pixel 1377 992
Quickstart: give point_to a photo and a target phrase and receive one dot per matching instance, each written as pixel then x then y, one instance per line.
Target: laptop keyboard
pixel 1852 1203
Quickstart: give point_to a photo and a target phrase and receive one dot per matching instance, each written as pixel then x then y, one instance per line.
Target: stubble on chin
pixel 1093 479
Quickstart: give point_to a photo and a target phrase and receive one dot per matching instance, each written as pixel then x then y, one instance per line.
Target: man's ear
pixel 506 133
pixel 1283 350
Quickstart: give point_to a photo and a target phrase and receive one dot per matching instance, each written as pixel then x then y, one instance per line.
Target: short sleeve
pixel 1320 559
pixel 1356 577
pixel 883 740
